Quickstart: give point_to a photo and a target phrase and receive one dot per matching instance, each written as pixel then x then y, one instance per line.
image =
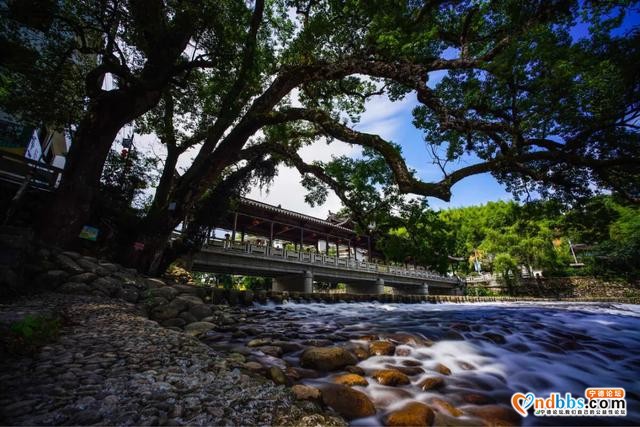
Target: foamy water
pixel 493 350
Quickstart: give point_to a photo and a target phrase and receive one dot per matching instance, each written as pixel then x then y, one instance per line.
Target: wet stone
pixel 305 392
pixel 431 383
pixel 391 377
pixel 407 370
pixel 347 402
pixel 381 348
pixel 443 369
pixel 412 414
pixel 350 380
pixel 327 358
pixel 277 375
pixel 445 407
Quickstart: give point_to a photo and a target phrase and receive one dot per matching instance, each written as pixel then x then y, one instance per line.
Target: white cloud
pixel 382 117
pixel 286 189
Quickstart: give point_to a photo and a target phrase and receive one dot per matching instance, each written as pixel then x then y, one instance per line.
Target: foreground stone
pixel 351 380
pixel 431 383
pixel 111 365
pixel 381 348
pixel 327 358
pixel 412 414
pixel 391 377
pixel 347 402
pixel 305 392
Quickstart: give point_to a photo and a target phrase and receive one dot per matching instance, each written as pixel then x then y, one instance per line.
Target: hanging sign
pixel 89 233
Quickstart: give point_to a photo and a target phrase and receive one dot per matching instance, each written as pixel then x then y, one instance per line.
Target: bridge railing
pixel 314 258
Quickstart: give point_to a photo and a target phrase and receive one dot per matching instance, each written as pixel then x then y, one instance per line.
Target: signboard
pixel 138 246
pixel 34 150
pixel 89 233
pixel 14 137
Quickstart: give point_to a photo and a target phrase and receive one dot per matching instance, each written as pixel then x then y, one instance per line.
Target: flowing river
pixel 482 353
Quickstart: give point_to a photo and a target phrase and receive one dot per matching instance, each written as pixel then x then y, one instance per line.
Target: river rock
pixel 347 402
pixel 155 302
pixel 277 375
pixel 317 342
pixel 466 366
pixel 72 255
pixel 355 370
pixel 443 369
pixel 253 366
pixel 68 264
pixel 128 294
pixel 287 347
pixel 495 415
pixel 52 278
pixel 431 383
pixel 271 350
pixel 369 338
pixel 106 285
pixel 83 277
pixel 406 339
pixel 411 414
pixel 197 328
pixel 190 300
pixel 391 377
pixel 496 338
pixel 258 342
pixel 350 380
pixel 200 311
pixel 74 288
pixel 188 317
pixel 327 358
pixel 304 373
pixel 90 266
pixel 407 370
pixel 166 292
pixel 382 348
pixel 164 312
pixel 177 322
pixel 403 351
pixel 477 398
pixel 445 406
pixel 305 392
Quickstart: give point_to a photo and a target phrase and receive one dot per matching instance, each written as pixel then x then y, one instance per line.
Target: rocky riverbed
pixel 138 351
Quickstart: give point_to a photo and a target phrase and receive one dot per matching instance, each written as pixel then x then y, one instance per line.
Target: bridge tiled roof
pixel 292 214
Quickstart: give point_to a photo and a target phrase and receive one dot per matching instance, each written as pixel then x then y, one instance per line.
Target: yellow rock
pixel 431 383
pixel 391 377
pixel 347 402
pixel 412 414
pixel 382 348
pixel 350 379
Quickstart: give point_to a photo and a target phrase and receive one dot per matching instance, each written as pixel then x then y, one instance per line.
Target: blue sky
pixel 393 121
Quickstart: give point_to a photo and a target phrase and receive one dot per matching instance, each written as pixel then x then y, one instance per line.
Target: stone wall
pixel 567 287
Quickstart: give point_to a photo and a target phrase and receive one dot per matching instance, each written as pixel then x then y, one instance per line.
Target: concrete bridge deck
pixel 296 271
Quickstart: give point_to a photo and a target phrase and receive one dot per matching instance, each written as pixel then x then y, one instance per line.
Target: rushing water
pixel 492 350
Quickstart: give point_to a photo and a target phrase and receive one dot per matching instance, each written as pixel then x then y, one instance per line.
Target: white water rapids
pixel 493 350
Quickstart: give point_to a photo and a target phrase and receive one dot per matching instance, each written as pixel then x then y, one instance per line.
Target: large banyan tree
pixel 541 106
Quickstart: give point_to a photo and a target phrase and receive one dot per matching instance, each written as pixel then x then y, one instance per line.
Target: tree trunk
pixel 71 207
pixel 161 198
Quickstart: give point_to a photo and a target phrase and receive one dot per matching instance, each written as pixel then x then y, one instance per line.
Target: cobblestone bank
pixel 113 366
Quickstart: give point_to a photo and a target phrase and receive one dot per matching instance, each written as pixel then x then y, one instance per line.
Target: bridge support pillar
pixel 412 290
pixel 295 283
pixel 367 289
